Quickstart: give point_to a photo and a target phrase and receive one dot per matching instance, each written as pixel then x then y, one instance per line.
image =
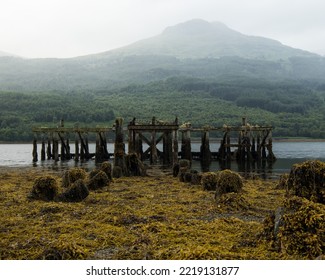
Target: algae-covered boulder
pixel 233 202
pixel 44 188
pixel 191 176
pixel 72 175
pixel 77 192
pixel 308 180
pixel 134 165
pixel 99 181
pixel 117 172
pixel 107 168
pixel 297 228
pixel 228 182
pixel 209 181
pixel 175 169
pixel 283 182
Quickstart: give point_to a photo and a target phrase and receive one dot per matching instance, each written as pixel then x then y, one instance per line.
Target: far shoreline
pixel 194 140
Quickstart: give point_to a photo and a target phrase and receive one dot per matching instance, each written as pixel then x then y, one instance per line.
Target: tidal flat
pixel 153 217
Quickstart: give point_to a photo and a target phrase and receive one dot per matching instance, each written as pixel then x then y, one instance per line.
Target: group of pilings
pixel 254 143
pixel 152 134
pixel 52 137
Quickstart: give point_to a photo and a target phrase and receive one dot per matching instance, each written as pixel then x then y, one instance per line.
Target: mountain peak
pixel 195 26
pixel 198 38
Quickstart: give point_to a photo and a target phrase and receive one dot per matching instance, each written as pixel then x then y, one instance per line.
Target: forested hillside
pixel 295 109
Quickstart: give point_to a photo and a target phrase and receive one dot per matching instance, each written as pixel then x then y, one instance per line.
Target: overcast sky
pixel 67 28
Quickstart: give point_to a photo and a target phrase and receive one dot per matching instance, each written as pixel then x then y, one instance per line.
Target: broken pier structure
pixel 158 142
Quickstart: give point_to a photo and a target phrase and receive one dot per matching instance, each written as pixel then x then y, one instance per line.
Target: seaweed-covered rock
pixel 308 180
pixel 99 181
pixel 233 201
pixel 228 182
pixel 72 175
pixel 117 172
pixel 134 165
pixel 297 228
pixel 77 192
pixel 209 181
pixel 107 168
pixel 175 169
pixel 44 188
pixel 283 182
pixel 184 165
pixel 191 176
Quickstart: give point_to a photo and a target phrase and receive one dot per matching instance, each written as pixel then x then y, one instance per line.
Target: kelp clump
pixel 77 192
pixel 134 165
pixel 233 201
pixel 228 182
pixel 209 181
pixel 297 229
pixel 72 175
pixel 44 188
pixel 63 251
pixel 107 168
pixel 308 180
pixel 283 182
pixel 98 181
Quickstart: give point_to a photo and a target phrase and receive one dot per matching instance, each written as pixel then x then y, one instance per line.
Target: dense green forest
pixel 295 109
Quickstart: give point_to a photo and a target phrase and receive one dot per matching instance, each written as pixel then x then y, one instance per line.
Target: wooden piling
pixel 119 148
pixel 35 155
pixel 186 152
pixel 76 156
pixel 205 148
pixel 43 150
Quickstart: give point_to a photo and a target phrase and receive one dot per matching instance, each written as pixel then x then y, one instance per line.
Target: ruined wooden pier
pixel 243 143
pixel 53 136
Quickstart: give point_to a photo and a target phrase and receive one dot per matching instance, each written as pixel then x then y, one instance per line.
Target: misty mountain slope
pixel 5 54
pixel 201 39
pixel 193 49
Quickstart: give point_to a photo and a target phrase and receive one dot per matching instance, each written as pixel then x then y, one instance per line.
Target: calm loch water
pixel 287 153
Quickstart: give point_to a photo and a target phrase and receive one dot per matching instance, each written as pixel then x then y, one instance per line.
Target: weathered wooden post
pixel 205 148
pixel 68 153
pixel 35 155
pixel 76 156
pixel 43 150
pixel 55 149
pixel 48 151
pixel 175 145
pixel 119 147
pixel 228 148
pixel 186 152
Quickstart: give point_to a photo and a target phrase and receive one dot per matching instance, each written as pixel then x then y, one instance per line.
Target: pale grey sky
pixel 67 28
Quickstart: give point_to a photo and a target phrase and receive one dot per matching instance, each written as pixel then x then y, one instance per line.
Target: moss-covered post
pixel 205 148
pixel 49 151
pixel 68 153
pixel 35 155
pixel 228 149
pixel 175 146
pixel 119 147
pixel 76 155
pixel 186 152
pixel 43 150
pixel 55 149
